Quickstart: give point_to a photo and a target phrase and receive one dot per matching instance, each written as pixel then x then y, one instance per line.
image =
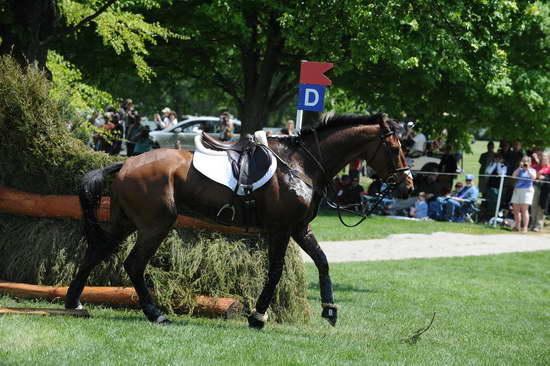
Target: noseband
pixel 392 180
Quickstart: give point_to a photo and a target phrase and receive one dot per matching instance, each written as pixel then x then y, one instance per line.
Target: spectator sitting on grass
pixel 458 187
pixel 345 182
pixel 351 195
pixel 421 207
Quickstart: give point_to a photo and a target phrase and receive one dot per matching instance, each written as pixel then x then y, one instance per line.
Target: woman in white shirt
pixel 172 120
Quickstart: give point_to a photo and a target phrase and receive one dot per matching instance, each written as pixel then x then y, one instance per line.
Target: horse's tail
pixel 89 194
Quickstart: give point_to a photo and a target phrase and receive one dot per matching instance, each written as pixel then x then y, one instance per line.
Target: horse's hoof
pixel 73 306
pixel 255 323
pixel 257 320
pixel 330 313
pixel 162 320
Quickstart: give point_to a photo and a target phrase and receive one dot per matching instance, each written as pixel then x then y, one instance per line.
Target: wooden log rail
pixel 17 202
pixel 124 296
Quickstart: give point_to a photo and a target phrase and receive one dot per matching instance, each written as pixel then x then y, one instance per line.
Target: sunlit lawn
pixel 327 227
pixel 491 310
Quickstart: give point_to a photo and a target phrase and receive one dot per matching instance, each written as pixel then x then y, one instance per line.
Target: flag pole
pixel 299 116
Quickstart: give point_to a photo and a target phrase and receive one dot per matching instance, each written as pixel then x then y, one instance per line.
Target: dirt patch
pixel 404 246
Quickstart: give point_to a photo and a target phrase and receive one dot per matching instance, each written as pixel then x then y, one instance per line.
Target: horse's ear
pixel 382 119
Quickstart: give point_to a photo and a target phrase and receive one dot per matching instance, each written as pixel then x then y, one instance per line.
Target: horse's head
pixel 388 159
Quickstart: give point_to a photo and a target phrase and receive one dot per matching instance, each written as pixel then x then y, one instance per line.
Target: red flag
pixel 311 72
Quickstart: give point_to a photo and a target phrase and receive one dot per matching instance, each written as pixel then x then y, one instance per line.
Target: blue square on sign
pixel 311 97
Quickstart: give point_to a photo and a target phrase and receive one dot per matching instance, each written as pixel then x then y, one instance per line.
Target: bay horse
pixel 151 189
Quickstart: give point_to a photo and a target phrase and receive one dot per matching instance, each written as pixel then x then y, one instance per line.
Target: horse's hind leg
pixel 277 245
pixel 306 240
pixel 96 252
pixel 149 239
pixel 101 245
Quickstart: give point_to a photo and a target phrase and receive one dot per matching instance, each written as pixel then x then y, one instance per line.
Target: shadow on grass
pixel 341 288
pixel 328 212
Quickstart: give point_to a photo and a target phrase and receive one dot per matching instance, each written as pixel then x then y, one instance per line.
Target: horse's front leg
pixel 306 240
pixel 277 244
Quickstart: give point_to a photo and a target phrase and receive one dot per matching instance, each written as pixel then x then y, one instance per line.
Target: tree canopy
pixel 460 65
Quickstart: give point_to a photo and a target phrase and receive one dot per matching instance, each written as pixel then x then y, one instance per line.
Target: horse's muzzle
pixel 404 189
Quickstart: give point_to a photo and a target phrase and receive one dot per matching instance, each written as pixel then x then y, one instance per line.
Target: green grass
pixel 327 227
pixel 490 310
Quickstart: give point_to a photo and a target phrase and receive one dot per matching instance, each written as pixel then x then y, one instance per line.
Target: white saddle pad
pixel 218 168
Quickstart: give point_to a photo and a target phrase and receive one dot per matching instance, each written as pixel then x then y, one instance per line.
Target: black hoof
pixel 73 305
pixel 255 323
pixel 330 313
pixel 162 320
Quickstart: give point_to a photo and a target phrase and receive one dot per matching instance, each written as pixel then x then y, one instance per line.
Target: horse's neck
pixel 340 147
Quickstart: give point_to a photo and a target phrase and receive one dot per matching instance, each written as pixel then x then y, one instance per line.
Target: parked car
pixel 185 132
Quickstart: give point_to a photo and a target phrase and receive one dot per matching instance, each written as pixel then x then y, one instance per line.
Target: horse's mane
pixel 329 121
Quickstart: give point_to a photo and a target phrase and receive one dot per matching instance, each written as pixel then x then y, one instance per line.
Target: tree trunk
pixel 259 70
pixel 253 115
pixel 26 29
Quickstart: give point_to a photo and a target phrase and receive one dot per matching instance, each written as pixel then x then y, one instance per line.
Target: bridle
pixel 392 179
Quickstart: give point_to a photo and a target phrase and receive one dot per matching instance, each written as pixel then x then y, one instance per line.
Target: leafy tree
pixel 29 28
pixel 425 60
pixel 449 65
pixel 522 109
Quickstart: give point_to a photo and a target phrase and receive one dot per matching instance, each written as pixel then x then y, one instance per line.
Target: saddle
pixel 250 160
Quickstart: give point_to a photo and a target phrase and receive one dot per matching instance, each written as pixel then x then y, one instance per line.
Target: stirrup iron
pixel 227 206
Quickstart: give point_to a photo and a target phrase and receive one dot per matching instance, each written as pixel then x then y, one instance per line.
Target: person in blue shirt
pixel 457 206
pixel 421 207
pixel 522 196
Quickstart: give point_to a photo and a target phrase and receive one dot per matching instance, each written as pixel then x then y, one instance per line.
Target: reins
pixel 390 180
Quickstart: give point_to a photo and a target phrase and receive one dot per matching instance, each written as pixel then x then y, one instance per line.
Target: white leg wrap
pixel 259 316
pixel 326 305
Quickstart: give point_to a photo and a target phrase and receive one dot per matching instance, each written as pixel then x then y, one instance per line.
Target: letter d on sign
pixel 311 97
pixel 311 93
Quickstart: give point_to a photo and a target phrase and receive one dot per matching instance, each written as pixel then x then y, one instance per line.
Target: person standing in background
pixel 448 165
pixel 132 134
pixel 290 127
pixel 484 160
pixel 537 209
pixel 172 120
pixel 416 142
pixel 495 169
pixel 117 133
pixel 159 123
pixel 522 196
pixel 514 156
pixel 355 168
pixel 165 115
pixel 512 160
pixel 143 141
pixel 226 127
pixel 104 134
